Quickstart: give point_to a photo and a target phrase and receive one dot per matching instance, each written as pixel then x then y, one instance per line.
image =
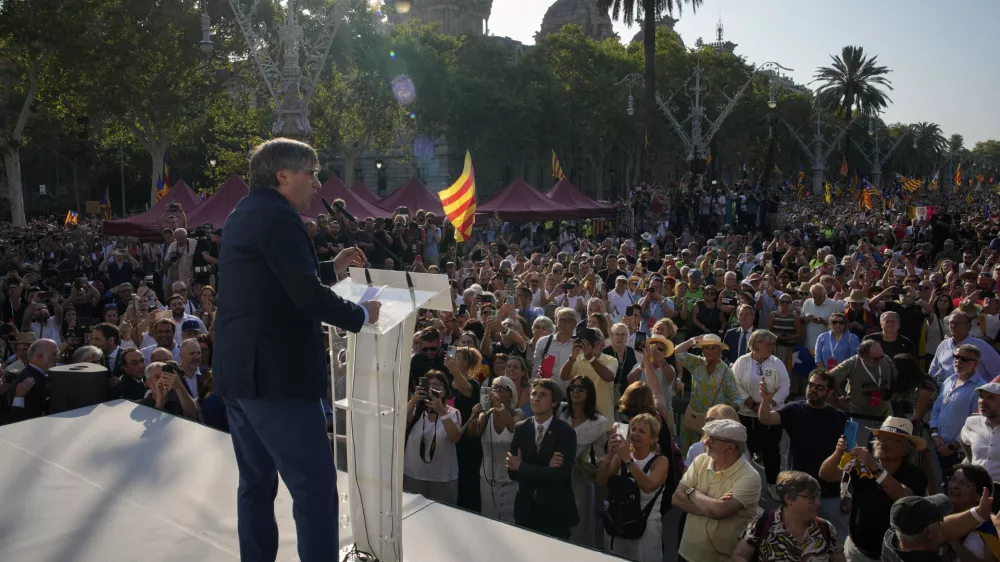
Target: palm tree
pixel 956 143
pixel 853 83
pixel 630 11
pixel 928 146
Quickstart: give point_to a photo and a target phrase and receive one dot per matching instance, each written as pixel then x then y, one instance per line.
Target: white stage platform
pixel 123 482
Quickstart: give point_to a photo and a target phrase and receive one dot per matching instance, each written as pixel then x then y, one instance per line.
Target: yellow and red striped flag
pixel 557 171
pixel 843 168
pixel 958 176
pixel 459 201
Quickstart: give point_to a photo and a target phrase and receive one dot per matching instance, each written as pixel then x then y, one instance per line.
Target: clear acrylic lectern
pixel 373 395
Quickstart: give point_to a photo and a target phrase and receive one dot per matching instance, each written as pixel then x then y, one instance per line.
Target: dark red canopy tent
pixel 413 195
pixel 569 195
pixel 334 188
pixel 146 225
pixel 361 190
pixel 215 210
pixel 519 202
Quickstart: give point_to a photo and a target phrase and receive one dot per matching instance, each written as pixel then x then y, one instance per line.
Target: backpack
pixel 765 522
pixel 674 474
pixel 623 515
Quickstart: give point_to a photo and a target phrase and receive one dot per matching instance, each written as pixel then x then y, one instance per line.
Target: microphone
pixel 340 210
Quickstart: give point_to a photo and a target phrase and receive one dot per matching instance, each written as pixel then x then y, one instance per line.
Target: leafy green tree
pixel 988 150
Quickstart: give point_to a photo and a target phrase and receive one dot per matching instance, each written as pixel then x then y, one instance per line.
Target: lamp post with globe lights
pixel 818 150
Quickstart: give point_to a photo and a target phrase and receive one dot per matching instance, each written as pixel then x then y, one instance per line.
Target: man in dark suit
pixel 132 384
pixel 738 338
pixel 107 338
pixel 541 462
pixel 269 364
pixel 35 404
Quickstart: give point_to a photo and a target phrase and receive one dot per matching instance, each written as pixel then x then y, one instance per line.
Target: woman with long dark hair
pixel 580 411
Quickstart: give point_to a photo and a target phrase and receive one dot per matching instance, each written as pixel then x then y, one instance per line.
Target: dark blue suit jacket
pixel 268 339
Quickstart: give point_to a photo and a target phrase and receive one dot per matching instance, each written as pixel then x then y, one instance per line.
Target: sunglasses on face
pixel 576 388
pixel 837 322
pixel 429 350
pixel 964 359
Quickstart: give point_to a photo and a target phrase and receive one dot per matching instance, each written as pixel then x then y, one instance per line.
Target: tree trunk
pixel 12 162
pixel 350 160
pixel 652 112
pixel 157 172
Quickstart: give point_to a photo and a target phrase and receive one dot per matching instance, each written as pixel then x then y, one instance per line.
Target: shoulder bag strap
pixel 548 344
pixel 649 506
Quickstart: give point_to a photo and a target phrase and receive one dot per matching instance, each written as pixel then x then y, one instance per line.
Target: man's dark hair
pixel 829 380
pixel 109 331
pixel 274 155
pixel 430 334
pixel 551 386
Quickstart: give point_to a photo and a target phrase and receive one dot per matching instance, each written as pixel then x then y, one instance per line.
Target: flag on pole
pixel 958 176
pixel 827 194
pixel 708 159
pixel 459 201
pixel 866 195
pixel 163 182
pixel 557 171
pixel 777 170
pixel 106 204
pixel 843 167
pixel 71 217
pixel 935 184
pixel 802 173
pixel 909 184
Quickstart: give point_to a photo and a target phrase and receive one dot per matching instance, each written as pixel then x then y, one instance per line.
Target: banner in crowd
pixel 922 213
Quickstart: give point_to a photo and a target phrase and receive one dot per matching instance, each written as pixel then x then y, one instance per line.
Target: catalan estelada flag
pixel 163 182
pixel 459 201
pixel 106 205
pixel 909 184
pixel 935 184
pixel 843 168
pixel 708 159
pixel 980 178
pixel 557 171
pixel 71 217
pixel 777 170
pixel 802 173
pixel 958 176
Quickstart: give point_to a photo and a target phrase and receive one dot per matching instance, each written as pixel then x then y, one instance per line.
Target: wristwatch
pixel 628 463
pixel 689 491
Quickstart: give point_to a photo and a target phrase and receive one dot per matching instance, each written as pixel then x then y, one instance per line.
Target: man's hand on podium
pixel 349 257
pixel 372 307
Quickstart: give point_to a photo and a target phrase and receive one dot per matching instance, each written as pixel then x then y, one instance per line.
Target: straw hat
pixel 661 340
pixel 709 340
pixel 901 427
pixel 970 308
pixel 28 337
pixel 857 295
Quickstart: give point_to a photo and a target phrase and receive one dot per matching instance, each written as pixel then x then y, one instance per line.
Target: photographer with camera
pixel 206 254
pixel 119 265
pixel 178 264
pixel 173 217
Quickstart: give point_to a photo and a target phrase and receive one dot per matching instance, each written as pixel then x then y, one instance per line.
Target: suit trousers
pixel 764 440
pixel 287 437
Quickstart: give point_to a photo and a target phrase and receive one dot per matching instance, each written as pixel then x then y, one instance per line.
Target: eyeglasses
pixel 811 497
pixel 964 359
pixel 500 388
pixel 816 386
pixel 429 350
pixel 837 322
pixel 576 388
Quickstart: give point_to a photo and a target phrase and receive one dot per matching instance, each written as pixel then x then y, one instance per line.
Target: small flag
pixel 71 217
pixel 935 184
pixel 459 201
pixel 106 205
pixel 980 178
pixel 909 184
pixel 802 173
pixel 958 176
pixel 843 167
pixel 557 171
pixel 708 159
pixel 866 195
pixel 827 194
pixel 777 170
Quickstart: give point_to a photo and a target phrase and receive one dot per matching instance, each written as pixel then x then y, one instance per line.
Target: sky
pixel 944 55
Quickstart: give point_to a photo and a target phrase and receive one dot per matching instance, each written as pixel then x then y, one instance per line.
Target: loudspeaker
pixel 78 385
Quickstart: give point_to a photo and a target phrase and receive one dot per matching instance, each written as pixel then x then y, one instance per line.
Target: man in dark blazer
pixel 738 338
pixel 132 384
pixel 268 364
pixel 541 462
pixel 35 404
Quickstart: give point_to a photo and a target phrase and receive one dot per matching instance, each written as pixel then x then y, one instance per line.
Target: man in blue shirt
pixel 943 367
pixel 956 401
pixel 530 313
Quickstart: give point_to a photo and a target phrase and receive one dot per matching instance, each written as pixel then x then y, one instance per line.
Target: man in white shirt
pixel 749 370
pixel 551 352
pixel 943 364
pixel 191 365
pixel 980 437
pixel 619 299
pixel 177 306
pixel 816 312
pixel 180 254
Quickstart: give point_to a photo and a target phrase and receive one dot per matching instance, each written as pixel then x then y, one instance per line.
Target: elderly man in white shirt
pixel 980 437
pixel 943 365
pixel 749 370
pixel 552 351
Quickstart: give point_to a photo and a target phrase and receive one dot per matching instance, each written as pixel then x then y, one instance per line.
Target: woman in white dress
pixel 649 470
pixel 580 411
pixel 495 428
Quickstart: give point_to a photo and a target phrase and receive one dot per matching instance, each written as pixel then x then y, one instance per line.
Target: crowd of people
pixel 798 380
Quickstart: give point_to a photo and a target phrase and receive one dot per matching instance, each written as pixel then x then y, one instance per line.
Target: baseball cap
pixel 993 387
pixel 912 514
pixel 190 326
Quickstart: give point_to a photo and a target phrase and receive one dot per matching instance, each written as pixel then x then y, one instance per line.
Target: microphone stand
pixel 340 210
